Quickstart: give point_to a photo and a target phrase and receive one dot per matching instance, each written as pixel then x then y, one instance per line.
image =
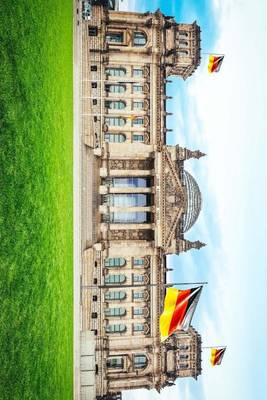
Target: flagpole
pixel 213 347
pixel 215 54
pixel 144 285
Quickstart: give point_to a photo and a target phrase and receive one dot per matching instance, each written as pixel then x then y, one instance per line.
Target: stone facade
pixel 144 199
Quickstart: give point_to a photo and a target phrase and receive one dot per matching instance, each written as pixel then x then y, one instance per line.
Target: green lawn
pixel 36 200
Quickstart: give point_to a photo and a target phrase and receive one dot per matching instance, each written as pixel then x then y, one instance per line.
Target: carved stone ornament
pixel 132 164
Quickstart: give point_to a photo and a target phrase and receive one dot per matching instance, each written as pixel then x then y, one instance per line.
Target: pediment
pixel 174 198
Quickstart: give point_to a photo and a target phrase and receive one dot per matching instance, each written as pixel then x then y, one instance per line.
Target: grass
pixel 36 200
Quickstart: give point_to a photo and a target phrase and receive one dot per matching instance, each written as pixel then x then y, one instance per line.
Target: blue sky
pixel 225 115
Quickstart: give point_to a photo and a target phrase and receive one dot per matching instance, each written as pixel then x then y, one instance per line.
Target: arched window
pixel 114 137
pixel 138 88
pixel 183 35
pixel 138 295
pixel 183 44
pixel 183 356
pixel 116 328
pixel 115 262
pixel 140 361
pixel 139 39
pixel 118 278
pixel 138 278
pixel 114 37
pixel 118 295
pixel 112 71
pixel 115 88
pixel 115 121
pixel 115 105
pixel 138 121
pixel 183 53
pixel 183 366
pixel 139 261
pixel 138 311
pixel 183 347
pixel 115 312
pixel 138 327
pixel 115 362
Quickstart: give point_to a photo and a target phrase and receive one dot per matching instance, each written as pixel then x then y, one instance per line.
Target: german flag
pixel 179 307
pixel 217 356
pixel 215 63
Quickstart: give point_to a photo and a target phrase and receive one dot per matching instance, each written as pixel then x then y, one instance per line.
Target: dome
pixel 194 201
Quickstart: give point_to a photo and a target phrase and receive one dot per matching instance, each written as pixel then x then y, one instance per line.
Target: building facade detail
pixel 144 199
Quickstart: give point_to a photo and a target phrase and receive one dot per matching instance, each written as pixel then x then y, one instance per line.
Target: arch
pixel 114 137
pixel 183 44
pixel 139 39
pixel 115 262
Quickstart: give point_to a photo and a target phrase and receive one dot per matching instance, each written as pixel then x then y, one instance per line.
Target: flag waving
pixel 217 356
pixel 215 63
pixel 179 307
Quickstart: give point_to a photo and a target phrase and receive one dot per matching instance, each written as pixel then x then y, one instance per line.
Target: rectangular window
pixel 94 85
pixel 138 278
pixel 138 295
pixel 93 67
pixel 92 30
pixel 114 37
pixel 138 311
pixel 115 362
pixel 138 105
pixel 137 88
pixel 138 72
pixel 138 138
pixel 139 261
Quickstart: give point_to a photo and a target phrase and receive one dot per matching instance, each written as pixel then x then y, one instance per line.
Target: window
pixel 131 217
pixel 92 30
pixel 138 327
pixel 94 298
pixel 183 44
pixel 115 295
pixel 138 295
pixel 115 279
pixel 137 88
pixel 94 315
pixel 115 262
pixel 183 356
pixel 115 121
pixel 139 278
pixel 115 88
pixel 94 85
pixel 138 121
pixel 138 311
pixel 114 137
pixel 94 102
pixel 128 182
pixel 115 362
pixel 183 347
pixel 183 366
pixel 140 361
pixel 138 137
pixel 114 37
pixel 138 72
pixel 93 68
pixel 116 328
pixel 183 35
pixel 183 53
pixel 138 105
pixel 139 261
pixel 127 200
pixel 116 71
pixel 115 105
pixel 115 312
pixel 139 39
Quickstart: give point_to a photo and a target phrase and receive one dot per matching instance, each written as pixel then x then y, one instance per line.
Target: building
pixel 144 199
